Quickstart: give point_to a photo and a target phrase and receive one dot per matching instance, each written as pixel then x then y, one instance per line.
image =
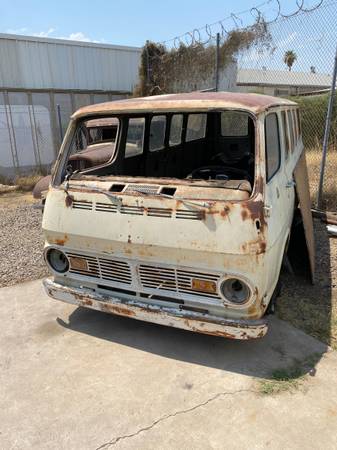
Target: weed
pixel 288 379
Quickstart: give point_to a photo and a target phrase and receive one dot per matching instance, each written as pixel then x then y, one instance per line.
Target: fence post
pixel 59 121
pixel 327 133
pixel 217 57
pixel 147 66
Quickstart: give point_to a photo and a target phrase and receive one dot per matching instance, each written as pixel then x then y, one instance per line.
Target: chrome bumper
pixel 173 317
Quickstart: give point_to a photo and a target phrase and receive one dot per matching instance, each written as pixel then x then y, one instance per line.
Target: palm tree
pixel 289 58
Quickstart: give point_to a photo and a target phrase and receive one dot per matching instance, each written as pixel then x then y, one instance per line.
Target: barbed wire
pixel 208 33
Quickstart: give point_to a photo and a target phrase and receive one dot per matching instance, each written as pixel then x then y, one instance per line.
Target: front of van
pixel 184 252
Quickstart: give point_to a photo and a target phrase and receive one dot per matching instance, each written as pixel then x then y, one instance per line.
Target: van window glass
pixel 291 130
pixel 285 134
pixel 295 125
pixel 135 137
pixel 272 145
pixel 299 122
pixel 93 143
pixel 157 133
pixel 234 123
pixel 196 127
pixel 176 129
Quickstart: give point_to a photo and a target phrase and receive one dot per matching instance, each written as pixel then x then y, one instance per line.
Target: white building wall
pixel 41 63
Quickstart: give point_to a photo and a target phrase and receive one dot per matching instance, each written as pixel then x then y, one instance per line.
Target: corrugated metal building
pixel 36 75
pixel 281 82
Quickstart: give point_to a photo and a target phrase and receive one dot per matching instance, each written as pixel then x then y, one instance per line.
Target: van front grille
pixel 142 277
pixel 176 280
pixel 102 268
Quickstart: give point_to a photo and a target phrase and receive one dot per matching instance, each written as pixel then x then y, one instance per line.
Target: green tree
pixel 289 58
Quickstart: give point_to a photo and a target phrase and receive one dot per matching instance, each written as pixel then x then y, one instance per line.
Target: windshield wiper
pixel 116 200
pixel 204 205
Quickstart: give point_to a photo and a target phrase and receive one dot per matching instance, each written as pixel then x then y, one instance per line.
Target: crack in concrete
pixel 168 416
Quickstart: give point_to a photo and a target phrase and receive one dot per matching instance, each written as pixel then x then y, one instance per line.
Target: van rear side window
pixel 272 145
pixel 291 130
pixel 285 134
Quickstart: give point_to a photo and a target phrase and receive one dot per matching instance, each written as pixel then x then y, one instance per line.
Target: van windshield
pixel 216 146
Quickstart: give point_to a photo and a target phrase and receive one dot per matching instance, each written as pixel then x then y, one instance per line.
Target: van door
pixel 278 201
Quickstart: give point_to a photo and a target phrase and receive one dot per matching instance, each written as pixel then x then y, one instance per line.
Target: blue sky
pixel 128 22
pixel 131 22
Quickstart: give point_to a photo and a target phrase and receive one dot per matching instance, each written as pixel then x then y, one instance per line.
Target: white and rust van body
pixel 200 250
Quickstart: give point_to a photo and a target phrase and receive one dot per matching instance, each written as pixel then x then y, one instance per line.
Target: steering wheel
pixel 207 172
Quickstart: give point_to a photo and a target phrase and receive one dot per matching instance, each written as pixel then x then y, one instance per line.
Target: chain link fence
pixel 266 51
pixel 31 126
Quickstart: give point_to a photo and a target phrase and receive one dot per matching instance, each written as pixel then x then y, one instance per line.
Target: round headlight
pixel 57 260
pixel 235 290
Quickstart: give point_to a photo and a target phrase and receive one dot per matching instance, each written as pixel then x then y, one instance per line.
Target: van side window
pixel 299 122
pixel 135 137
pixel 291 130
pixel 272 145
pixel 285 134
pixel 234 124
pixel 176 129
pixel 196 127
pixel 157 133
pixel 295 125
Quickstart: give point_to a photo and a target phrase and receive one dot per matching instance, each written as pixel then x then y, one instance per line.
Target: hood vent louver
pixel 143 188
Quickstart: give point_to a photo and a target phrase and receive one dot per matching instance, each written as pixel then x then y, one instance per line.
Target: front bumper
pixel 173 317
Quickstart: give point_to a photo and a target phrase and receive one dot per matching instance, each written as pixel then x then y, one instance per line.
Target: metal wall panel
pixel 39 63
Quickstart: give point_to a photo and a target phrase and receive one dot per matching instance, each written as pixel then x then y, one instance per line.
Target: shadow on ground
pixel 305 306
pixel 283 346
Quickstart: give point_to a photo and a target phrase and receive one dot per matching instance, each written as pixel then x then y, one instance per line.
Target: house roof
pixel 259 77
pixel 193 101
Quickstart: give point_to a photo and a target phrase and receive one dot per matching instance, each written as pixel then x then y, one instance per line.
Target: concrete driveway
pixel 78 379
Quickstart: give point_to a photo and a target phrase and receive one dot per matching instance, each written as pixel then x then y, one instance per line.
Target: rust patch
pixel 69 200
pixel 225 212
pixel 253 210
pixel 259 185
pixel 255 247
pixel 86 302
pixel 61 241
pixel 205 101
pixel 244 214
pixel 119 310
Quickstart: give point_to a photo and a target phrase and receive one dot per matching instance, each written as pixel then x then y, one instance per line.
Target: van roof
pixel 193 101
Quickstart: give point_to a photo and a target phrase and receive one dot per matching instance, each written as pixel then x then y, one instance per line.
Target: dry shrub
pixel 163 70
pixel 26 183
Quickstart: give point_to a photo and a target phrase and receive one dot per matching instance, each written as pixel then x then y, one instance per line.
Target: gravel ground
pixel 21 241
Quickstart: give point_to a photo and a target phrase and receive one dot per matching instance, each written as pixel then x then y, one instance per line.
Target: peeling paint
pixel 192 321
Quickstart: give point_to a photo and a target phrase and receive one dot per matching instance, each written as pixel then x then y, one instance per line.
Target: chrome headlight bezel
pixel 249 297
pixel 49 251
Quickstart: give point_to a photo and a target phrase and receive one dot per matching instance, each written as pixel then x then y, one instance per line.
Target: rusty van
pixel 186 218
